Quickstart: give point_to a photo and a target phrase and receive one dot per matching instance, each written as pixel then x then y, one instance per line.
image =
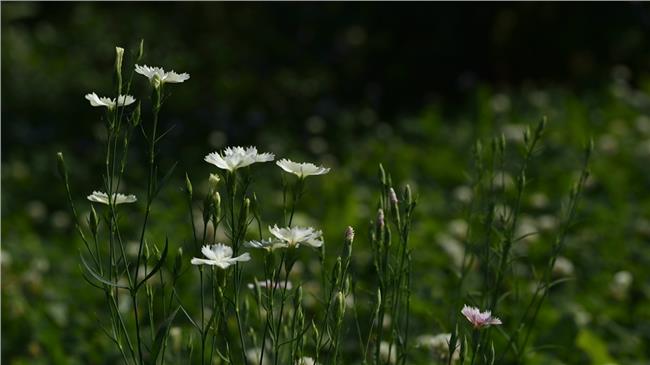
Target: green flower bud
pixel 188 186
pixel 340 305
pixel 297 297
pixel 119 56
pixel 213 181
pixel 136 115
pixel 178 262
pixel 382 175
pixel 140 51
pixel 60 166
pixel 216 205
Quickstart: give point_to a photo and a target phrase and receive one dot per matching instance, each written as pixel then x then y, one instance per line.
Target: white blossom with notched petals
pixel 101 197
pixel 233 158
pixel 289 237
pixel 157 76
pixel 122 100
pixel 301 169
pixel 219 255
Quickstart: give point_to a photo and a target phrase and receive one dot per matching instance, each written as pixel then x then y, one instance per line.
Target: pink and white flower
pixel 479 319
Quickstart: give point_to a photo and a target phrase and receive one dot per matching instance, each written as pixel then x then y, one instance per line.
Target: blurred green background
pixel 348 86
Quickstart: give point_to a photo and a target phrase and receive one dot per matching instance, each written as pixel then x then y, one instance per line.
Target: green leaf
pixel 161 335
pixel 97 276
pixel 163 258
pixel 594 347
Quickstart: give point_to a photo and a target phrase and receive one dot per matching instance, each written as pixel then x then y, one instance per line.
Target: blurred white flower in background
pixel 303 169
pixel 438 345
pixel 101 197
pixel 219 255
pixel 157 76
pixel 122 100
pixel 233 158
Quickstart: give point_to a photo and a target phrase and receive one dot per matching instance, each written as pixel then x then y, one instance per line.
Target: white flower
pixel 269 245
pixel 289 237
pixel 295 236
pixel 306 361
pixel 219 255
pixel 233 158
pixel 269 284
pixel 386 353
pixel 303 169
pixel 122 100
pixel 101 197
pixel 479 319
pixel 157 76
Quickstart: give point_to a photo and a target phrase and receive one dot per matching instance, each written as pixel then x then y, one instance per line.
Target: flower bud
pixel 119 56
pixel 340 305
pixel 380 219
pixel 392 196
pixel 408 195
pixel 93 221
pixel 213 181
pixel 347 247
pixel 178 262
pixel 382 174
pixel 336 271
pixel 60 166
pixel 297 298
pixel 140 51
pixel 216 205
pixel 135 116
pixel 349 234
pixel 188 186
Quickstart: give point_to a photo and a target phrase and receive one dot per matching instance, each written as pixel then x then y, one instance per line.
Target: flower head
pixel 101 197
pixel 233 158
pixel 294 236
pixel 219 255
pixel 303 169
pixel 270 284
pixel 289 237
pixel 479 319
pixel 157 76
pixel 122 100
